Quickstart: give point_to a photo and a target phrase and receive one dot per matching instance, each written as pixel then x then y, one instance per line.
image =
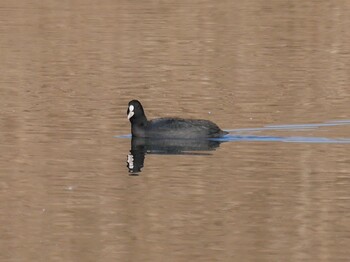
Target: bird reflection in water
pixel 142 146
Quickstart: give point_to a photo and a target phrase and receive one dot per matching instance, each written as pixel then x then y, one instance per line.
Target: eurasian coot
pixel 169 127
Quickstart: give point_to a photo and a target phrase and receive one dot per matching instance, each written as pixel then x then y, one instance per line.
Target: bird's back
pixel 183 128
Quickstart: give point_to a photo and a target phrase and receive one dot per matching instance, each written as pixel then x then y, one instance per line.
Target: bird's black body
pixel 178 128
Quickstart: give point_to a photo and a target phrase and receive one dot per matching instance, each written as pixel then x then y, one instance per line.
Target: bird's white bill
pixel 131 112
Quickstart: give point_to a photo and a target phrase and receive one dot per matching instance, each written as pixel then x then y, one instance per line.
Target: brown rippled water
pixel 67 72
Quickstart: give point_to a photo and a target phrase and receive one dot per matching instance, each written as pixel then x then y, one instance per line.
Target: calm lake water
pixel 68 70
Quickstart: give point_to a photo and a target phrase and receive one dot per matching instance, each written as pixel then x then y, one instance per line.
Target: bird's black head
pixel 135 111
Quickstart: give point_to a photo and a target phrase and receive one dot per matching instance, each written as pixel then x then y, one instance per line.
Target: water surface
pixel 263 69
